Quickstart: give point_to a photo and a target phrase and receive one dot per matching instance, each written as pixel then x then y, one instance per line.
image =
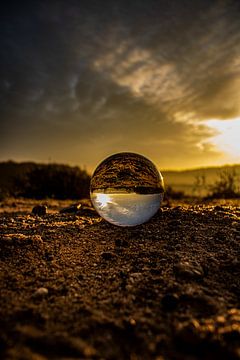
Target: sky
pixel 81 80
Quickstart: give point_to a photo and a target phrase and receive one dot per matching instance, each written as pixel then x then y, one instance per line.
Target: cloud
pixel 197 72
pixel 103 78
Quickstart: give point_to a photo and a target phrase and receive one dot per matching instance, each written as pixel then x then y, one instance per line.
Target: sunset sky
pixel 81 80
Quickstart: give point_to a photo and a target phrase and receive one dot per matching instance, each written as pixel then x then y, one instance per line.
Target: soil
pixel 76 287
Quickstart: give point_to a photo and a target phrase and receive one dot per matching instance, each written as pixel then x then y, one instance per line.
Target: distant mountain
pixel 188 180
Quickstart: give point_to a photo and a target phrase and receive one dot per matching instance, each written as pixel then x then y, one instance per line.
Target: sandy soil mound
pixel 75 287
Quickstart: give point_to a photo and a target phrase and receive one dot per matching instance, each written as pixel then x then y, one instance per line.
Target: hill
pixel 40 181
pixel 11 169
pixel 188 180
pixel 191 182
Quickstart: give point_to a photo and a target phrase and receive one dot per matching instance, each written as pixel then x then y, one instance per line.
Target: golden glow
pixel 228 137
pixel 103 200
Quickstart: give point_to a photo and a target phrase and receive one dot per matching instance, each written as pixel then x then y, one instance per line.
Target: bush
pixel 225 186
pixel 199 185
pixel 53 181
pixel 173 194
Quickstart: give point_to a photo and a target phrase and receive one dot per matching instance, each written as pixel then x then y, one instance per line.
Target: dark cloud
pixel 80 80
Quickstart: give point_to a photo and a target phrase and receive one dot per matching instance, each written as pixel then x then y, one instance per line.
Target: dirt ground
pixel 76 287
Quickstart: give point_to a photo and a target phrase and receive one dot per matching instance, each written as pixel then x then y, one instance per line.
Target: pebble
pixel 6 238
pixel 40 292
pixel 236 227
pixel 179 207
pixel 132 322
pixel 107 255
pixel 189 270
pixel 39 210
pixel 72 209
pixel 136 275
pixel 219 208
pixel 36 238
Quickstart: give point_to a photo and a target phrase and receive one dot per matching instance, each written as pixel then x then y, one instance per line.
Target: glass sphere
pixel 126 189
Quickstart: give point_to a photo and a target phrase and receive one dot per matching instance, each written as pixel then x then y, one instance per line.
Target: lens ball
pixel 126 189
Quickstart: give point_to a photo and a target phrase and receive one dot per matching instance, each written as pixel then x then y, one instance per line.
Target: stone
pixel 218 208
pixel 39 210
pixel 107 255
pixel 87 211
pixel 72 209
pixel 41 292
pixel 189 270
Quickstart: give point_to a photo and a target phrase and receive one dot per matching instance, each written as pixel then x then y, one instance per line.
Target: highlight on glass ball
pixel 126 189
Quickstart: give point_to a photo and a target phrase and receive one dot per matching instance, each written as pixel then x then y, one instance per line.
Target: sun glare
pixel 102 199
pixel 228 137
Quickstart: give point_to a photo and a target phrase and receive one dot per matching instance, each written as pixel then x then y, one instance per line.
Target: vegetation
pixel 44 181
pixel 41 181
pixel 226 186
pixel 200 185
pixel 173 194
pixel 197 182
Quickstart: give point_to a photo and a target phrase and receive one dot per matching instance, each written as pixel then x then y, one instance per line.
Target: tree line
pixel 41 181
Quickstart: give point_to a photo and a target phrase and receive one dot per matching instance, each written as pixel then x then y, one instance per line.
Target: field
pixel 76 287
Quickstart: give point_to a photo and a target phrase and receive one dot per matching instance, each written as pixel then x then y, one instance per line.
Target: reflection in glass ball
pixel 126 189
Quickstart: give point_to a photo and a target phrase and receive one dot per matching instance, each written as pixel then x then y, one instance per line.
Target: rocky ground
pixel 75 287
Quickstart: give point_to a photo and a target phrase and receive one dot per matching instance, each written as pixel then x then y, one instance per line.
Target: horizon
pixel 82 81
pixel 90 171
